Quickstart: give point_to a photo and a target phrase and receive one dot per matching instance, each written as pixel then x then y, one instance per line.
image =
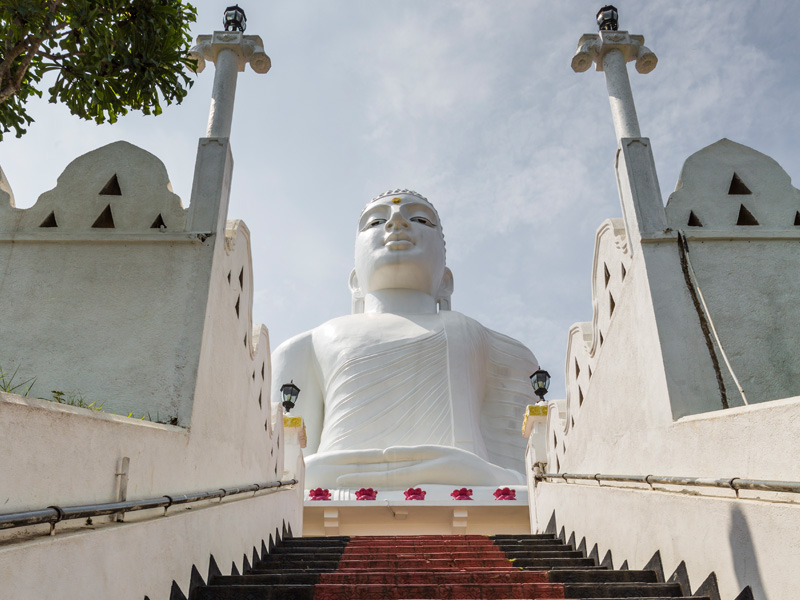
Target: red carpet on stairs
pixel 422 567
pixel 451 567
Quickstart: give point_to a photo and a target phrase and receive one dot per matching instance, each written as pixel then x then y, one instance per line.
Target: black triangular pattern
pixel 175 593
pixel 241 278
pixel 111 188
pixel 234 569
pixel 213 570
pixel 105 220
pixel 237 305
pixel 158 223
pixel 50 220
pixel 259 399
pixel 611 305
pixel 693 220
pixel 738 188
pixel 606 273
pixel 245 340
pixel 195 581
pixel 797 219
pixel 746 217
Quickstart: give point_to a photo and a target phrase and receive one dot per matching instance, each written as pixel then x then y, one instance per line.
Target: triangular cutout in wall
pixel 105 220
pixel 50 221
pixel 693 220
pixel 158 223
pixel 797 219
pixel 111 188
pixel 746 217
pixel 738 188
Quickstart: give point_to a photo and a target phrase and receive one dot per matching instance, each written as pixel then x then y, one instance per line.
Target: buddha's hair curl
pixel 411 193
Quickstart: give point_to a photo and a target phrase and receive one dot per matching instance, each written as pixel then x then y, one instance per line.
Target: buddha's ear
pixel 445 290
pixel 356 293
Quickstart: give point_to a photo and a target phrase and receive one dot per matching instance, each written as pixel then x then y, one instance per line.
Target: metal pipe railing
pixel 55 514
pixel 736 483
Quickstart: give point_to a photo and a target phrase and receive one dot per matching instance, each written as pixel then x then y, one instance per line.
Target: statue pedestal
pixel 439 513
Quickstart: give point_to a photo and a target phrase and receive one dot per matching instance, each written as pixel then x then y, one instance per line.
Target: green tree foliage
pixel 109 56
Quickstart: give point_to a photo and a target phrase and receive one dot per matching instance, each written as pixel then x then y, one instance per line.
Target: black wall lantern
pixel 540 381
pixel 290 392
pixel 234 19
pixel 608 18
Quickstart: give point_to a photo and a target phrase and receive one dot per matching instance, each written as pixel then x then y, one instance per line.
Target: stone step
pixel 378 592
pixel 522 554
pixel 622 590
pixel 523 536
pixel 434 577
pixel 527 543
pixel 600 576
pixel 422 564
pixel 253 592
pixel 550 563
pixel 495 554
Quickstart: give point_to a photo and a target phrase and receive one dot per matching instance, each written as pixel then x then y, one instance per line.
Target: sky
pixel 473 104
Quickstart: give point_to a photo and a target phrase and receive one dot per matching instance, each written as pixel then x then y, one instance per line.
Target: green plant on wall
pixel 75 399
pixel 8 385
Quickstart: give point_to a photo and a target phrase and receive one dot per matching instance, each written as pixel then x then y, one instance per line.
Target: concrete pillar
pixel 623 110
pixel 223 95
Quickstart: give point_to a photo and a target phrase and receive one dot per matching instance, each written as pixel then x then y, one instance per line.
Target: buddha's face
pixel 399 246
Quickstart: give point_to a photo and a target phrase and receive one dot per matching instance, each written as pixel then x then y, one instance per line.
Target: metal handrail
pixel 736 483
pixel 55 514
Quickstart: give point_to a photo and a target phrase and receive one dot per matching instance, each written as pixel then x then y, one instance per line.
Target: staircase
pixel 434 566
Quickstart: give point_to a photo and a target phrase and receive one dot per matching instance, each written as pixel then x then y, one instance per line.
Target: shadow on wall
pixel 743 552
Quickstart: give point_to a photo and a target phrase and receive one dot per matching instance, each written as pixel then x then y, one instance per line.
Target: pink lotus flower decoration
pixel 366 494
pixel 319 494
pixel 415 494
pixel 505 494
pixel 462 494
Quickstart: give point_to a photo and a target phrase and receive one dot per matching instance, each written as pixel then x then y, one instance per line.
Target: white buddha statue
pixel 405 391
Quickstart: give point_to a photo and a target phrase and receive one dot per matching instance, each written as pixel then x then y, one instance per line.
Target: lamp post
pixel 610 50
pixel 290 393
pixel 540 381
pixel 230 51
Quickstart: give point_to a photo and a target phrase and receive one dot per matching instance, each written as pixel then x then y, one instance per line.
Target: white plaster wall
pixel 745 542
pixel 652 403
pixel 744 271
pixel 113 314
pixel 131 560
pixel 59 454
pixel 149 321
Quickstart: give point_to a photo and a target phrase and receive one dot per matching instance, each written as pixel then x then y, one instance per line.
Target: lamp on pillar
pixel 608 18
pixel 540 381
pixel 230 51
pixel 610 50
pixel 290 393
pixel 234 19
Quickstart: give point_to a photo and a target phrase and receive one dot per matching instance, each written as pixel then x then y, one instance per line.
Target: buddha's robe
pixel 445 381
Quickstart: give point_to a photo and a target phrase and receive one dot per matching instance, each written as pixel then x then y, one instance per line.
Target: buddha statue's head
pixel 400 246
